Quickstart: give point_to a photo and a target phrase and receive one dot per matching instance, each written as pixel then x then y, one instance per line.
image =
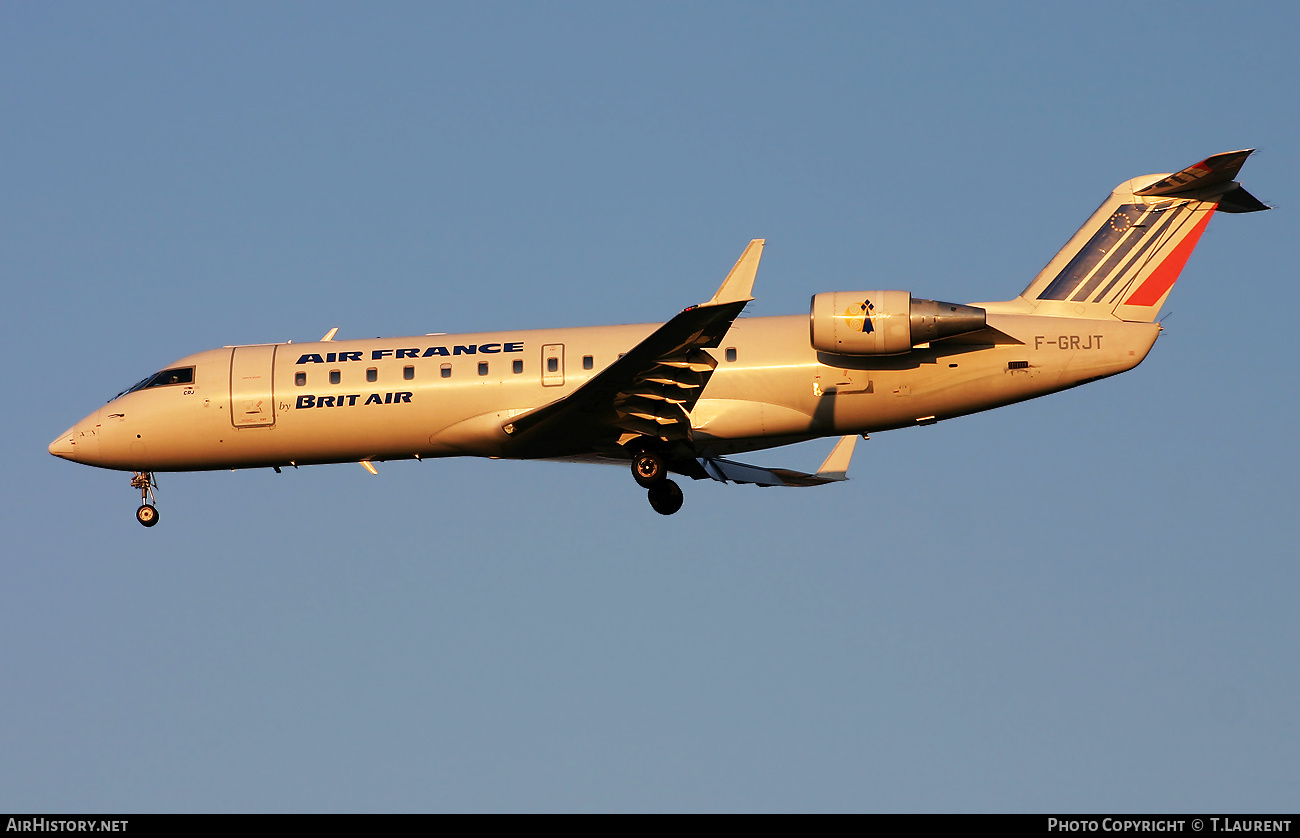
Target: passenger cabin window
pixel 518 366
pixel 482 368
pixel 372 375
pixel 408 373
pixel 588 362
pixel 731 354
pixel 300 378
pixel 335 376
pixel 446 370
pixel 552 364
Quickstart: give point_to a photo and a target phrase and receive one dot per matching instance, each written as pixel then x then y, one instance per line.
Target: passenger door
pixel 252 402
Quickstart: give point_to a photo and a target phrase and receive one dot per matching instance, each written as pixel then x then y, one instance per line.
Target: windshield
pixel 179 375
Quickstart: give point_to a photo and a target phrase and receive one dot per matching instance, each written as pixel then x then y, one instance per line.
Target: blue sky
pixel 1082 603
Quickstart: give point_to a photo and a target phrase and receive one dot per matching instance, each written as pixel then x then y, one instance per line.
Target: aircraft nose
pixel 80 443
pixel 63 445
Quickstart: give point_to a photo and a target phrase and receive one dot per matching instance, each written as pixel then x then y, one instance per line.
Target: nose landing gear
pixel 147 514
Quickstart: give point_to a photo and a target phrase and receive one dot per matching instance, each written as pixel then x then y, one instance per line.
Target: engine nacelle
pixel 885 322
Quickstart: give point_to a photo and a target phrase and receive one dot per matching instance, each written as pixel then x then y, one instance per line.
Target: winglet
pixel 836 466
pixel 330 335
pixel 739 283
pixel 834 470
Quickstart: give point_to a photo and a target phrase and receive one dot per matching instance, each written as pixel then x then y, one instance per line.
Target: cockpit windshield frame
pixel 163 378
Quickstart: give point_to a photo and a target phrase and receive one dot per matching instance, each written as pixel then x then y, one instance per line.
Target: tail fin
pixel 1123 262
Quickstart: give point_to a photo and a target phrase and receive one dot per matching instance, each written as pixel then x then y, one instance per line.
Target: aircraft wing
pixel 652 388
pixel 833 470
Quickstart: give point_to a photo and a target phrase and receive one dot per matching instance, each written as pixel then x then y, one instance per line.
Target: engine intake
pixel 885 322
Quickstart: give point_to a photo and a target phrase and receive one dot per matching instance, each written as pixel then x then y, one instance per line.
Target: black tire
pixel 665 497
pixel 147 515
pixel 648 469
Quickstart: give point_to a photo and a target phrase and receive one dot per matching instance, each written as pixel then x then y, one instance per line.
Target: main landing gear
pixel 649 470
pixel 147 514
pixel 665 497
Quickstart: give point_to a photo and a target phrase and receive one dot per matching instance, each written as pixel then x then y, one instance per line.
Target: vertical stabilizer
pixel 1124 261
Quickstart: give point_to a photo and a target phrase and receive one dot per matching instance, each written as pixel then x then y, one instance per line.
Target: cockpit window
pixel 180 375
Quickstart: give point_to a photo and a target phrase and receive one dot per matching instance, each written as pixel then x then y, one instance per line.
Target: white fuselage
pixel 451 395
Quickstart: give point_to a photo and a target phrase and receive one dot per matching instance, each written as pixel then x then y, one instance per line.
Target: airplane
pixel 677 397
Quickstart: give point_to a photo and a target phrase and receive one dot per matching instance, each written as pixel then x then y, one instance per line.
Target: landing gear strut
pixel 147 514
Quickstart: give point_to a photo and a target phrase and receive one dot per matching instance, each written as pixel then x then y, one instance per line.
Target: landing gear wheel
pixel 147 515
pixel 648 469
pixel 665 497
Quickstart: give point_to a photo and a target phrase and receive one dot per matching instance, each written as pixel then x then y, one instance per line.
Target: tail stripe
pixel 1153 240
pixel 1166 274
pixel 1140 239
pixel 1093 252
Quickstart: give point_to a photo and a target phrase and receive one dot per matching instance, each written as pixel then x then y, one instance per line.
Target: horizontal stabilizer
pixel 834 470
pixel 1212 171
pixel 1239 200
